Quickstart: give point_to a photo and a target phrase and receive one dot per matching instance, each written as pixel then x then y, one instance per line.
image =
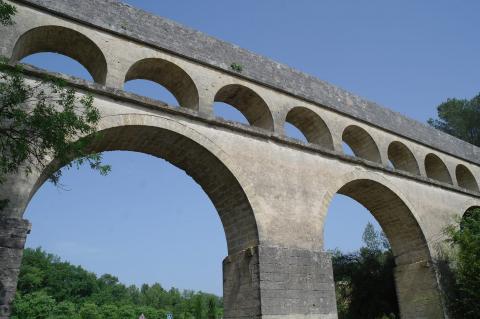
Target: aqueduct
pixel 272 193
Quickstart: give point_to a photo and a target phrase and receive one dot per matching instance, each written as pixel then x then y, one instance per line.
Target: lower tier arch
pixel 415 278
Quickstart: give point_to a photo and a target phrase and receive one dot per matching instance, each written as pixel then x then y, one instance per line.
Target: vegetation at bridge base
pixel 364 282
pixel 459 267
pixel 49 288
pixel 42 119
pixel 458 263
pixel 460 118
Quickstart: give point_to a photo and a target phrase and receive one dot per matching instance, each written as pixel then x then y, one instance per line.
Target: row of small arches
pixel 305 124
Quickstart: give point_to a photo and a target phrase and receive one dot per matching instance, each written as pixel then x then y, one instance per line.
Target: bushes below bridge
pixel 364 283
pixel 49 288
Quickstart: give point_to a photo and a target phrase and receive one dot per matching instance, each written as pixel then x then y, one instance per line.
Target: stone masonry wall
pixel 13 233
pixel 273 282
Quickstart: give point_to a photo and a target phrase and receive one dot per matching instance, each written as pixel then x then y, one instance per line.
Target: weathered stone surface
pixel 272 193
pixel 122 19
pixel 13 233
pixel 268 282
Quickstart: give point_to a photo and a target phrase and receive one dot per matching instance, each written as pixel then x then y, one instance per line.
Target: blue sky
pixel 149 222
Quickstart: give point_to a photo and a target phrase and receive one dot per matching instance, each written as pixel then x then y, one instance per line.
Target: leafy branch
pixel 7 11
pixel 41 121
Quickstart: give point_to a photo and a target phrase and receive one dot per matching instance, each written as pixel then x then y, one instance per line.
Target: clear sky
pixel 149 222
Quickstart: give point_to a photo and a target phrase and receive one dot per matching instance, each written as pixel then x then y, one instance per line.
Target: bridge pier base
pixel 279 283
pixel 13 234
pixel 417 296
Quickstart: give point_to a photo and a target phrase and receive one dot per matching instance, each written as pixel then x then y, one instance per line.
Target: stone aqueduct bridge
pixel 272 193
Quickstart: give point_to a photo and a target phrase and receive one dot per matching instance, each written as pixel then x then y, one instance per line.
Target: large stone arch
pixel 190 151
pixel 415 278
pixel 184 147
pixel 58 39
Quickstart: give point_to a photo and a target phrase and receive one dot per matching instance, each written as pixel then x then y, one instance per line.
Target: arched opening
pixel 59 63
pixel 151 90
pixel 415 279
pixel 68 42
pixel 465 178
pixel 472 212
pixel 168 75
pixel 436 169
pixel 227 112
pixel 402 158
pixel 293 132
pixel 361 143
pixel 347 150
pixel 249 103
pixel 363 263
pixel 311 125
pixel 209 171
pixel 198 162
pixel 140 204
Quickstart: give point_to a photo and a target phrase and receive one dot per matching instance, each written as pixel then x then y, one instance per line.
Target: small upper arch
pixel 465 178
pixel 311 125
pixel 249 103
pixel 402 158
pixel 71 43
pixel 169 75
pixel 436 169
pixel 361 143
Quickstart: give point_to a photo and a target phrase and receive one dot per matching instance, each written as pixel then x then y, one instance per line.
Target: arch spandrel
pixel 187 149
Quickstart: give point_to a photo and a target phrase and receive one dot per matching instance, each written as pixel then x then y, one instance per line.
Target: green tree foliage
pixel 460 118
pixel 460 268
pixel 42 119
pixel 364 281
pixel 36 305
pixel 90 311
pixel 51 288
pixel 7 12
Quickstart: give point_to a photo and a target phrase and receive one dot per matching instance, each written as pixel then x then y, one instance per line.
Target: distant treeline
pixel 49 288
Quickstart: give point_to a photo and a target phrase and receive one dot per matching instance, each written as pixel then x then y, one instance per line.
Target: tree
pixel 462 287
pixel 51 287
pixel 37 305
pixel 371 238
pixel 89 311
pixel 65 310
pixel 364 281
pixel 460 118
pixel 43 119
pixel 7 11
pixel 212 311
